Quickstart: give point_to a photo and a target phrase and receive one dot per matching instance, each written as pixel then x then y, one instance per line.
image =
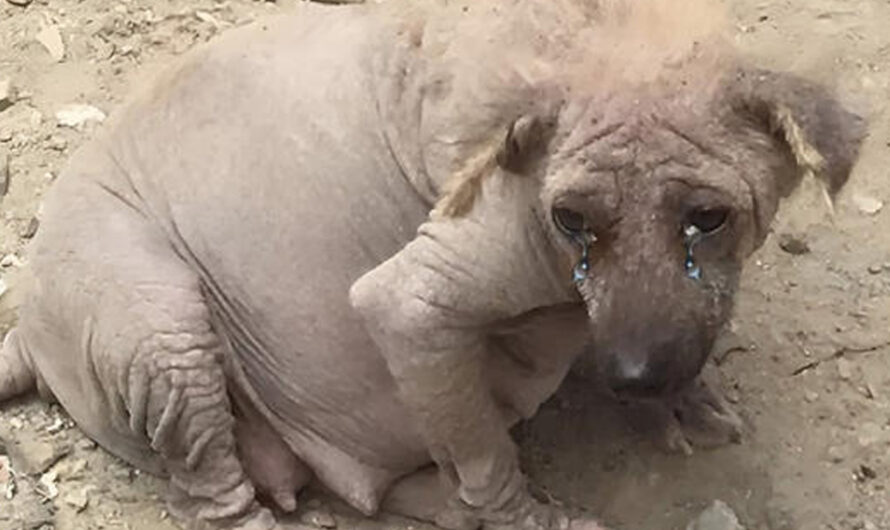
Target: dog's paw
pixel 698 417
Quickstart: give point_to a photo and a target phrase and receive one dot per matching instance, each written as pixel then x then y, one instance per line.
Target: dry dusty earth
pixel 805 359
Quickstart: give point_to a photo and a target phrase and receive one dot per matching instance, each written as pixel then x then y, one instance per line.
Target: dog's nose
pixel 636 377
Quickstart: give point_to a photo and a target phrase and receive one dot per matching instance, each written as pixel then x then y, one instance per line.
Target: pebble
pixel 70 468
pixel 794 245
pixel 76 115
pixel 5 135
pixel 7 94
pixel 865 472
pixel 29 454
pixel 11 260
pixel 4 172
pixel 36 118
pixel 844 369
pixel 48 481
pixel 718 516
pixel 810 396
pixel 78 499
pixel 57 143
pixel 124 473
pixel 835 454
pixel 7 482
pixel 869 434
pixel 875 269
pixel 86 445
pixel 57 425
pixel 20 3
pixel 30 230
pixel 51 39
pixel 868 205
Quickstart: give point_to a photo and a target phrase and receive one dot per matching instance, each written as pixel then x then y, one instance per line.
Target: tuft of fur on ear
pixel 823 137
pixel 464 186
pixel 523 141
pixel 807 157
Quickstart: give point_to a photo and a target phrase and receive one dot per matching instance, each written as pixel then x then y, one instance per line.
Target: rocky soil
pixel 805 359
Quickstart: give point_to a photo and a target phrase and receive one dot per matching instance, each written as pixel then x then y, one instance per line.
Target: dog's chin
pixel 673 390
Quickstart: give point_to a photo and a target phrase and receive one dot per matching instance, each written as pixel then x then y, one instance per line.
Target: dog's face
pixel 659 196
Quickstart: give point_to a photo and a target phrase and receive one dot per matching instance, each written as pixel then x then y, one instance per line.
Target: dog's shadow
pixel 592 452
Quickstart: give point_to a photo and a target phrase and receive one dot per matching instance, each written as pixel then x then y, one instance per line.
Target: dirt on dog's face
pixel 657 198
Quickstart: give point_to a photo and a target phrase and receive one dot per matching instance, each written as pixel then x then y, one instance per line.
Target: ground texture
pixel 804 360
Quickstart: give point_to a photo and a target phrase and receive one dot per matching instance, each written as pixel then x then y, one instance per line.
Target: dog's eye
pixel 708 219
pixel 568 221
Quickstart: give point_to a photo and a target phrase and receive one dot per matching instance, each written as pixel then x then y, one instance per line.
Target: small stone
pixel 7 94
pixel 844 369
pixel 810 396
pixel 875 269
pixel 20 3
pixel 718 516
pixel 70 468
pixel 124 473
pixel 835 454
pixel 319 518
pixel 7 482
pixel 57 425
pixel 78 499
pixel 868 205
pixel 4 172
pixel 208 18
pixel 11 260
pixel 30 230
pixel 866 473
pixel 51 39
pixel 86 445
pixel 77 115
pixel 870 434
pixel 57 143
pixel 36 118
pixel 48 482
pixel 794 245
pixel 30 454
pixel 5 135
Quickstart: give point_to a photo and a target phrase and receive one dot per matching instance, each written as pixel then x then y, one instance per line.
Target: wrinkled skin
pixel 240 285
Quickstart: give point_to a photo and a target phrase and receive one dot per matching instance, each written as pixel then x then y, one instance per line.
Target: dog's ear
pixel 526 138
pixel 821 135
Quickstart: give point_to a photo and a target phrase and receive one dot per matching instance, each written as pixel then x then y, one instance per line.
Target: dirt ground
pixel 804 360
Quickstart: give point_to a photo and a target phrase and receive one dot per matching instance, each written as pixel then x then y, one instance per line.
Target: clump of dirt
pixel 804 363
